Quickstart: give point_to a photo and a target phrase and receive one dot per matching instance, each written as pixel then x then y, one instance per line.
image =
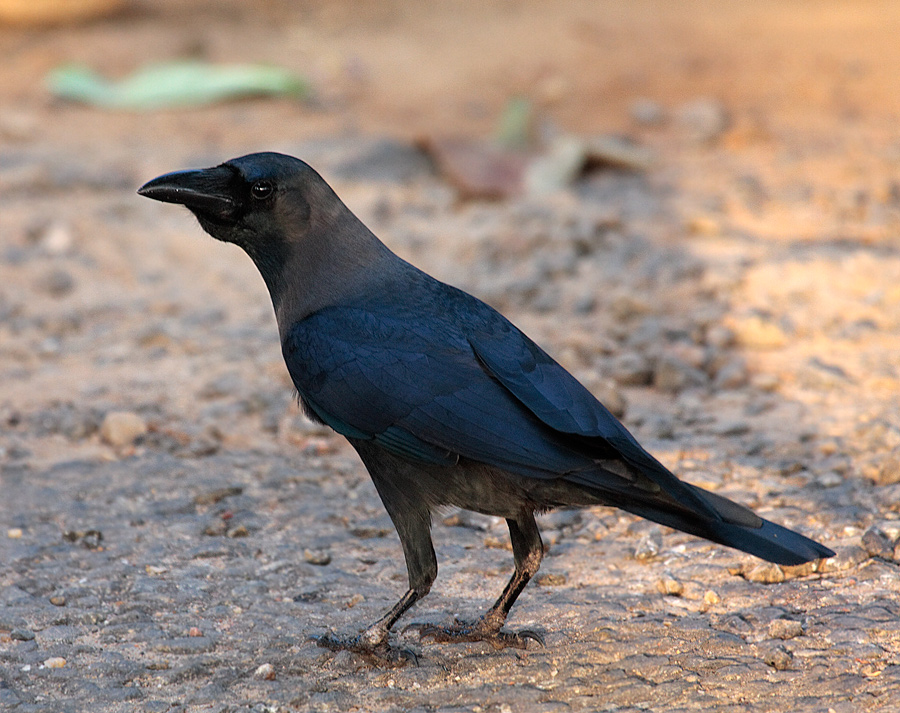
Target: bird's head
pixel 254 201
pixel 286 217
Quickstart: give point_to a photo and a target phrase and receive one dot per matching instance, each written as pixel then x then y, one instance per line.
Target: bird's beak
pixel 208 192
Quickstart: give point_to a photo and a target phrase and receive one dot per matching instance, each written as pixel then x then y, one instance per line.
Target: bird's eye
pixel 261 190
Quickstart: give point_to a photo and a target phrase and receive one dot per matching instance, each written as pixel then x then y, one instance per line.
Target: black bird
pixel 445 400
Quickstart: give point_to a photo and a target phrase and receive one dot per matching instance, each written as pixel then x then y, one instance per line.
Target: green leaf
pixel 174 84
pixel 515 124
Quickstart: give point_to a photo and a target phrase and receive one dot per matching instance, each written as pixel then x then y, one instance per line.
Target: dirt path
pixel 739 302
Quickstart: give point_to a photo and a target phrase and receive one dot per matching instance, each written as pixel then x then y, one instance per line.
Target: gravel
pixel 174 533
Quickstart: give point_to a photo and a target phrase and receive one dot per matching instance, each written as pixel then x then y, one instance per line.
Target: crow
pixel 446 402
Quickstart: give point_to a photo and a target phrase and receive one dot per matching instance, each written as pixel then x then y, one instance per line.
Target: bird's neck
pixel 332 267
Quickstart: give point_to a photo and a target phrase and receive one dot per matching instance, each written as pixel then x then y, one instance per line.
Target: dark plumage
pixel 446 401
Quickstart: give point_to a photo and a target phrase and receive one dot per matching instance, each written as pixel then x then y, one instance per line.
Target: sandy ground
pixel 738 302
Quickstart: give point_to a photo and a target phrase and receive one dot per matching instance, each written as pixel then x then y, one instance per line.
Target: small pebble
pixel 239 531
pixel 266 672
pixel 195 631
pixel 58 600
pixel 14 533
pixel 720 336
pixel 56 239
pixel 732 375
pixel 55 662
pixel 888 472
pixel 552 580
pixel 704 225
pixel 765 382
pixel 765 573
pixel 224 385
pixel 711 598
pixel 647 548
pixel 615 151
pixel 626 307
pixel 878 544
pixel 785 629
pixel 778 658
pixel 846 558
pixel 829 479
pixel 122 428
pixel 647 112
pixel 891 528
pixel 354 600
pixel 670 586
pixel 631 369
pixel 673 374
pixel 317 557
pixel 704 119
pixel 56 283
pixel 21 635
pixel 757 333
pixel 730 428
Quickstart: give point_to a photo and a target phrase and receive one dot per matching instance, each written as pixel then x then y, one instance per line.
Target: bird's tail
pixel 736 526
pixel 739 528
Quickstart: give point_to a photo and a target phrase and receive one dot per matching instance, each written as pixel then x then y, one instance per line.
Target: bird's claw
pixel 381 654
pixel 533 635
pixel 463 631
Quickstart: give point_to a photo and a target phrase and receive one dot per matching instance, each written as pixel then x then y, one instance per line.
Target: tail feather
pixel 736 526
pixel 768 541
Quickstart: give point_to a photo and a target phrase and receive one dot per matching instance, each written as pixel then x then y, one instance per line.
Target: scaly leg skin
pixel 528 550
pixel 372 643
pixel 413 522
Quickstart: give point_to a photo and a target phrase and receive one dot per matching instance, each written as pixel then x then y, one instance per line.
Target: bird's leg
pixel 528 550
pixel 413 523
pixel 372 644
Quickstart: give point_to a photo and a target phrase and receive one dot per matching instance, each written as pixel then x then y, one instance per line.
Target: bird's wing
pixel 415 386
pixel 558 399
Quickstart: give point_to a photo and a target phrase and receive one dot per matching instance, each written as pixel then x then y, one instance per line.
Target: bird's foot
pixel 481 630
pixel 378 653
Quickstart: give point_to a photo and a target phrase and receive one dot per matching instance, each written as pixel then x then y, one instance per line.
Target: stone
pixel 55 238
pixel 670 586
pixel 778 658
pixel 785 629
pixel 552 580
pixel 647 112
pixel 720 337
pixel 317 557
pixel 674 374
pixel 122 428
pixel 732 375
pixel 877 543
pixel 704 119
pixel 888 472
pixel 265 672
pixel 846 558
pixel 56 283
pixel 631 369
pixel 647 548
pixel 755 332
pixel 765 573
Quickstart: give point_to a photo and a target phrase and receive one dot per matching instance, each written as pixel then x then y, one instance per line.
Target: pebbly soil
pixel 173 532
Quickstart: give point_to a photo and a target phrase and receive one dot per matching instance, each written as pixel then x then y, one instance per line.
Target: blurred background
pixel 694 206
